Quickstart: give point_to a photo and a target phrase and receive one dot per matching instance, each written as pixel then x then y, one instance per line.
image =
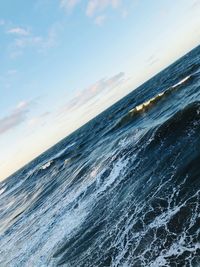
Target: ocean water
pixel 123 190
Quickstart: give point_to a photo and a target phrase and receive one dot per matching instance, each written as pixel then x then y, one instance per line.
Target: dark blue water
pixel 123 190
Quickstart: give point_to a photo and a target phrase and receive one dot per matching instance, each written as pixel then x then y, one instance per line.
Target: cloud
pixel 23 38
pixel 36 42
pixel 195 4
pixel 96 9
pixel 69 4
pixel 152 60
pixel 124 13
pixel 15 53
pixel 92 6
pixel 16 117
pixel 18 31
pixel 99 20
pixel 101 86
pixel 28 41
pixel 38 120
pixel 96 6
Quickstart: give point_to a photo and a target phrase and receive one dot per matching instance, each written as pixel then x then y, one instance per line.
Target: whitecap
pixel 182 81
pixel 46 165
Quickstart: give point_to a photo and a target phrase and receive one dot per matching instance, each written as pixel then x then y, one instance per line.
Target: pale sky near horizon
pixel 65 61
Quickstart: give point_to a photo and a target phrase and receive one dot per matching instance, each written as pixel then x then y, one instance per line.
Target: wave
pixel 145 106
pixel 59 156
pixel 127 199
pixel 149 212
pixel 60 159
pixel 103 220
pixel 46 165
pixel 2 190
pixel 63 152
pixel 184 119
pixel 182 81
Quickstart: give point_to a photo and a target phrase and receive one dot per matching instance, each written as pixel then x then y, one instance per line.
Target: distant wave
pixel 155 99
pixel 59 155
pixel 181 120
pixel 141 108
pixel 63 151
pixel 46 165
pixel 182 81
pixel 2 190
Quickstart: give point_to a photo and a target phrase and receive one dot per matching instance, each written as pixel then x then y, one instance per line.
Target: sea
pixel 122 191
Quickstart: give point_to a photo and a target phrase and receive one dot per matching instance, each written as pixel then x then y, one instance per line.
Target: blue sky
pixel 64 61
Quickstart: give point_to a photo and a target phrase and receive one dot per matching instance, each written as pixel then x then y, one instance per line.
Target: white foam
pixel 60 153
pixel 177 248
pixel 182 81
pixel 2 190
pixel 36 236
pixel 116 171
pixel 46 165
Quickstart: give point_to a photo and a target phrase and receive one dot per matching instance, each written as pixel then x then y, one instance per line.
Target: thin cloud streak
pixel 69 4
pixel 39 120
pixel 96 6
pixel 100 20
pixel 16 117
pixel 102 86
pixel 18 31
pixel 31 41
pixel 95 9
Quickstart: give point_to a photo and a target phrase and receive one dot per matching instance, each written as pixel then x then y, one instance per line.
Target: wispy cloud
pixel 124 13
pixel 101 86
pixel 28 39
pixel 99 20
pixel 96 9
pixel 152 60
pixel 16 117
pixel 195 4
pixel 96 6
pixel 18 31
pixel 68 4
pixel 38 120
pixel 25 37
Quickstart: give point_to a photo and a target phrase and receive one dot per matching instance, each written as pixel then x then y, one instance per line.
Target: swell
pixel 147 105
pixel 132 199
pixel 179 123
pixel 149 217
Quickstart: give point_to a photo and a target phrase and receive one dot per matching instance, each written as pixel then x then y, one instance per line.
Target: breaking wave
pixel 121 191
pixel 144 107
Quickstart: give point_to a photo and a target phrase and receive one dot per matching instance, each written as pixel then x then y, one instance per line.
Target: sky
pixel 65 61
